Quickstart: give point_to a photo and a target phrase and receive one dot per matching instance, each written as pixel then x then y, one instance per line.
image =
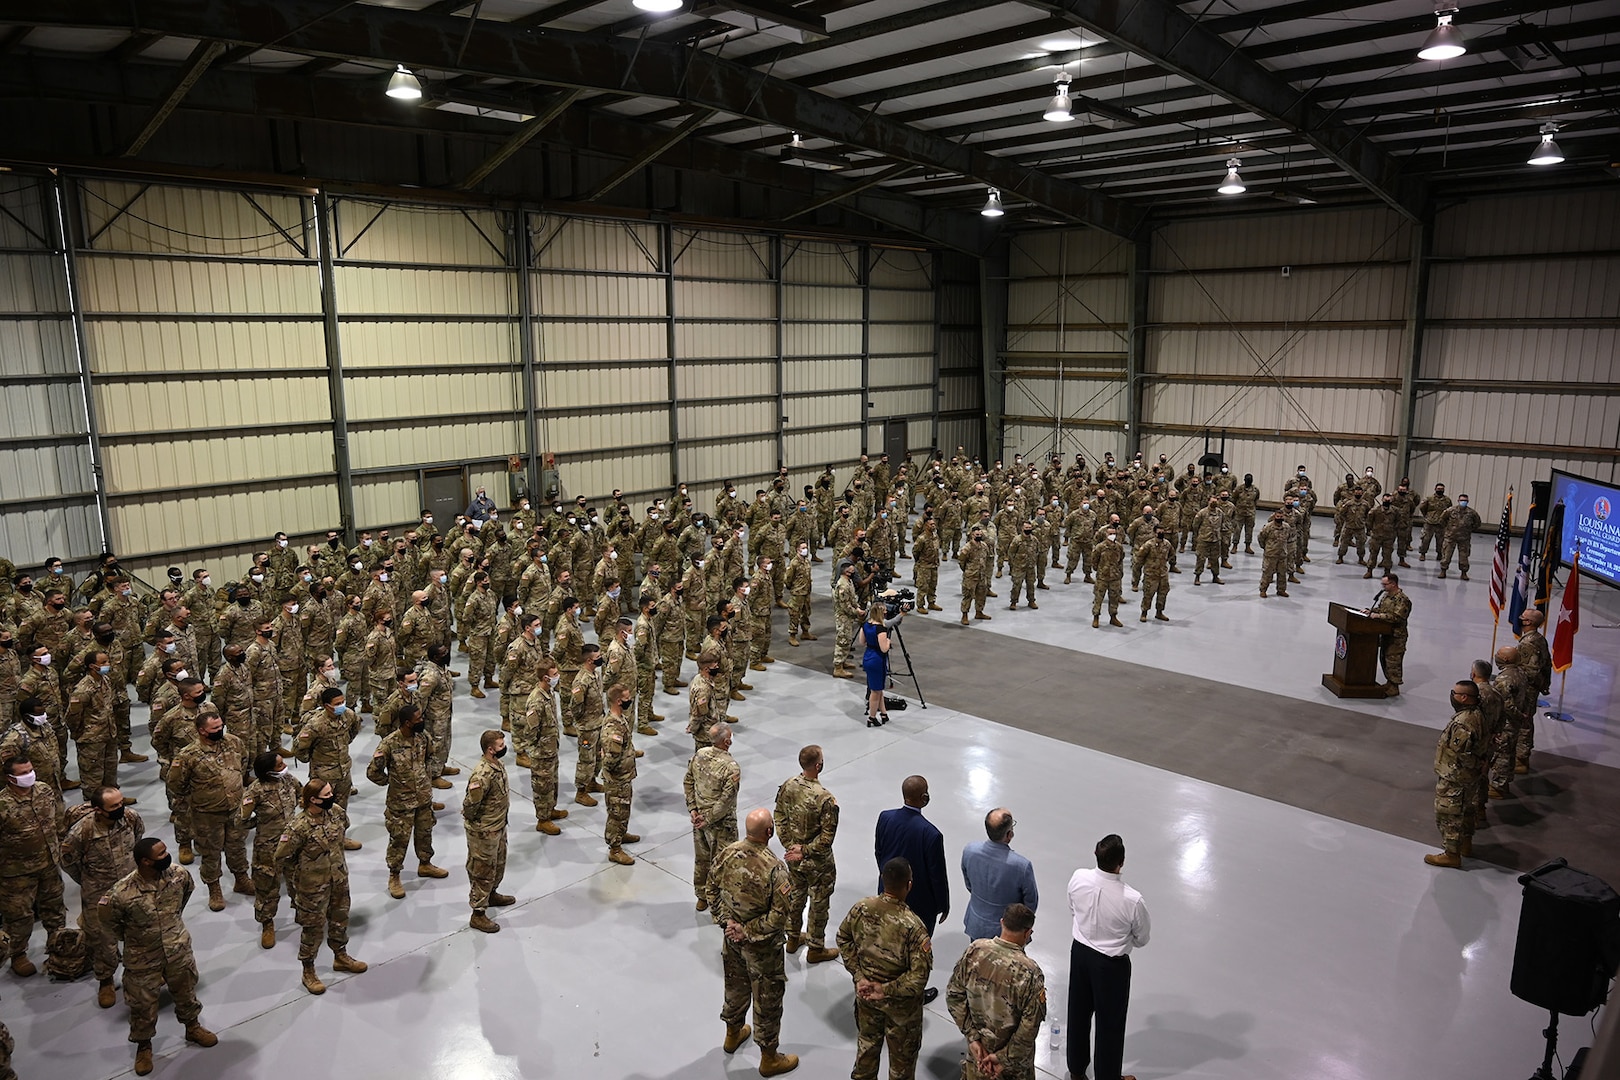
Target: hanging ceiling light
pixel 992 205
pixel 658 7
pixel 404 86
pixel 797 142
pixel 1445 42
pixel 1233 184
pixel 1547 153
pixel 1060 109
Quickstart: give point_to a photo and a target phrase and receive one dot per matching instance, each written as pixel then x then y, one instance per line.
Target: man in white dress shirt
pixel 1110 920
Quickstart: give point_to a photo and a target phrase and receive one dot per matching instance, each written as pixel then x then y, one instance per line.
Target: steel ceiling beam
pixel 558 58
pixel 283 95
pixel 891 173
pixel 520 138
pixel 654 150
pixel 205 53
pixel 1175 41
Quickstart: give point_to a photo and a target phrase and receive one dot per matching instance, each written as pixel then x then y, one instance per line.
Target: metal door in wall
pixel 895 442
pixel 444 491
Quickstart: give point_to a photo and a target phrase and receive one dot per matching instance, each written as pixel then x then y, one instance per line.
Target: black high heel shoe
pixel 883 718
pixel 872 721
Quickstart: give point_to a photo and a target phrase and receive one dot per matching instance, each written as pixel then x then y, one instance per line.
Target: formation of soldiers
pixel 574 615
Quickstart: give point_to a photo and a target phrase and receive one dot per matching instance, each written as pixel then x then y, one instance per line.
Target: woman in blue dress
pixel 876 664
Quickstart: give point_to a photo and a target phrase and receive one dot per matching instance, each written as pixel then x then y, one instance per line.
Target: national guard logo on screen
pixel 1600 509
pixel 1340 647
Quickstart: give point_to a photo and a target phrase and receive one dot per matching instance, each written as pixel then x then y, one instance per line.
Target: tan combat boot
pixel 702 904
pixel 441 783
pixel 1444 858
pixel 312 981
pixel 396 888
pixel 244 885
pixel 106 996
pixel 428 870
pixel 805 635
pixel 584 798
pixel 818 954
pixel 126 756
pixel 477 693
pixel 143 1057
pixel 267 936
pixel 344 962
pixel 793 942
pixel 185 852
pixel 196 1033
pixel 793 639
pixel 736 1035
pixel 216 899
pixel 549 827
pixel 620 856
pixel 351 844
pixel 772 1063
pixel 525 762
pixel 484 923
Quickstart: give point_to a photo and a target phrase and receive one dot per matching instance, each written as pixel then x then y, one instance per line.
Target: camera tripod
pixel 911 669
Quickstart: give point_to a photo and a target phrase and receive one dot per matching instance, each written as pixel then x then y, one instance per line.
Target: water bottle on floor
pixel 1056 1037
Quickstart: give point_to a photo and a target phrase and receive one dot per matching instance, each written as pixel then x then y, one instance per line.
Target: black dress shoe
pixel 930 994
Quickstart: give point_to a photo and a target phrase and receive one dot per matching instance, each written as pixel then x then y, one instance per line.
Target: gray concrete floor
pixel 1291 936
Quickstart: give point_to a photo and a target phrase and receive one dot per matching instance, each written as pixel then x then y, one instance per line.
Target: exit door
pixel 444 491
pixel 895 442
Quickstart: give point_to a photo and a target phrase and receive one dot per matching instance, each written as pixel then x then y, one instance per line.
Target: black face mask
pixel 418 727
pixel 236 660
pixel 214 736
pixel 246 601
pixel 162 865
pixel 326 803
pixel 26 587
pixel 7 643
pixel 500 753
pixel 115 814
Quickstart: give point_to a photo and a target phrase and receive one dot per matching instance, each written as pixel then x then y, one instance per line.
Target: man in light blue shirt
pixel 995 876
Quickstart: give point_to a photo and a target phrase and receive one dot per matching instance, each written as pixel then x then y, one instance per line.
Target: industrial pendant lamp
pixel 992 205
pixel 1233 184
pixel 660 7
pixel 1547 153
pixel 1060 109
pixel 404 86
pixel 1445 42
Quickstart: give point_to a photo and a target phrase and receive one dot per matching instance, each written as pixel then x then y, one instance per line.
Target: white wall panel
pixel 164 405
pixel 1511 418
pixel 427 344
pixel 189 220
pixel 900 370
pixel 892 403
pixel 718 340
pixel 960 432
pixel 960 392
pixel 600 339
pixel 902 338
pixel 1073 251
pixel 389 291
pixel 821 263
pixel 1551 289
pixel 607 387
pixel 32 283
pixel 1554 355
pixel 824 303
pixel 597 474
pixel 896 269
pixel 223 457
pixel 200 347
pixel 598 296
pixel 1072 340
pixel 800 376
pixel 594 431
pixel 428 441
pixel 130 284
pixel 413 234
pixel 1082 301
pixel 724 300
pixel 1333 294
pixel 1305 352
pixel 823 447
pixel 31 534
pixel 825 409
pixel 895 305
pixel 1259 405
pixel 732 418
pixel 588 244
pixel 1554 222
pixel 165 523
pixel 1486 477
pixel 711 253
pixel 402 397
pixel 1290 239
pixel 694 379
pixel 821 339
pixel 28 473
pixel 391 499
pixel 738 459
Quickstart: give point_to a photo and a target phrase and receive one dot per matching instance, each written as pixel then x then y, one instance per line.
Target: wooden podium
pixel 1355 654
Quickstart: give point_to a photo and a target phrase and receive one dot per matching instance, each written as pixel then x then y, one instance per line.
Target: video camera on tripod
pixel 897 602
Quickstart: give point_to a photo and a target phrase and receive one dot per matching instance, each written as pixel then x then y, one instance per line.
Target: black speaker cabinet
pixel 1569 939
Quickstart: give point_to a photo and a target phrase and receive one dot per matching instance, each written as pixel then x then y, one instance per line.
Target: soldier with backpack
pixel 98 851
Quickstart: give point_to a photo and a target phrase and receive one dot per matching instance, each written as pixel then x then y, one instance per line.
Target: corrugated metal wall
pixel 1298 368
pixel 204 335
pixel 903 357
pixel 432 370
pixel 1521 354
pixel 1064 365
pixel 822 338
pixel 961 357
pixel 47 485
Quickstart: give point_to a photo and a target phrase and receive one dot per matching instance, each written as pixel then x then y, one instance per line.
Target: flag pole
pixel 1496 625
pixel 1558 712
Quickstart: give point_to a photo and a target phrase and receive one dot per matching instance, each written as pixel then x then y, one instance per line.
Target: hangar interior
pixel 243 289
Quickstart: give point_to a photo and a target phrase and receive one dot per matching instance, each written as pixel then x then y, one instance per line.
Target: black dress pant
pixel 1098 984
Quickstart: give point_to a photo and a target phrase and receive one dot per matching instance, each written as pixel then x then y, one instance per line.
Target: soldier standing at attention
pixel 1457 535
pixel 310 853
pixel 536 727
pixel 268 807
pixel 97 852
pixel 400 765
pixel 847 617
pixel 1393 606
pixel 1275 544
pixel 808 816
pixel 1108 564
pixel 888 953
pixel 143 911
pixel 997 996
pixel 703 700
pixel 618 758
pixel 748 899
pixel 207 775
pixel 324 743
pixel 1245 498
pixel 1433 510
pixel 974 559
pixel 30 873
pixel 1154 559
pixel 712 778
pixel 485 808
pixel 1458 760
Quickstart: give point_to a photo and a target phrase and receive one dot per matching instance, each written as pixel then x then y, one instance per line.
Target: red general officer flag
pixel 1568 619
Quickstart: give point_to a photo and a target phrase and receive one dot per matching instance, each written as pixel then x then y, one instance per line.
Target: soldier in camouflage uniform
pixel 520 670
pixel 33 738
pixel 1207 531
pixel 1080 529
pixel 90 721
pixel 1458 761
pixel 704 699
pixel 712 778
pixel 310 853
pixel 265 678
pixel 477 625
pixel 1536 659
pixel 974 559
pixel 1433 510
pixel 268 806
pixel 672 633
pixel 1275 544
pixel 618 760
pixel 207 775
pixel 1154 559
pixel 535 730
pixel 484 808
pixel 1023 554
pixel 887 952
pixel 1394 607
pixel 586 709
pixel 1245 500
pixel 848 615
pixel 925 552
pixel 1518 712
pixel 748 894
pixel 97 852
pixel 1351 520
pixel 143 911
pixel 997 996
pixel 645 654
pixel 1108 564
pixel 437 698
pixel 324 740
pixel 1405 506
pixel 808 817
pixel 30 858
pixel 1381 536
pixel 400 764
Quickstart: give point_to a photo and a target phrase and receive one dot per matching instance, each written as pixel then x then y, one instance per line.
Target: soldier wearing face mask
pixel 1457 527
pixel 268 807
pixel 232 692
pixel 1108 564
pixel 30 873
pixel 311 854
pixel 400 764
pixel 33 736
pixel 90 722
pixel 324 743
pixel 265 675
pixel 208 776
pixel 98 851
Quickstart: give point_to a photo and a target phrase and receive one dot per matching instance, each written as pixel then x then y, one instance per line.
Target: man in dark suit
pixel 905 833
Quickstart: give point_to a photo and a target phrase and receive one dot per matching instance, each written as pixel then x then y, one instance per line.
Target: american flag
pixel 1499 560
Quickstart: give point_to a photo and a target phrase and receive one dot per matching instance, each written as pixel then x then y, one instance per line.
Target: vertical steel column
pixel 1416 320
pixel 993 270
pixel 522 249
pixel 69 229
pixel 939 344
pixel 666 241
pixel 1062 341
pixel 866 344
pixel 325 224
pixel 1136 347
pixel 781 350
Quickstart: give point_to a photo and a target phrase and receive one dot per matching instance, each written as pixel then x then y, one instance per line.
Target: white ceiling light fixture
pixel 796 142
pixel 658 7
pixel 403 86
pixel 1233 184
pixel 1445 42
pixel 1060 110
pixel 1547 153
pixel 992 205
